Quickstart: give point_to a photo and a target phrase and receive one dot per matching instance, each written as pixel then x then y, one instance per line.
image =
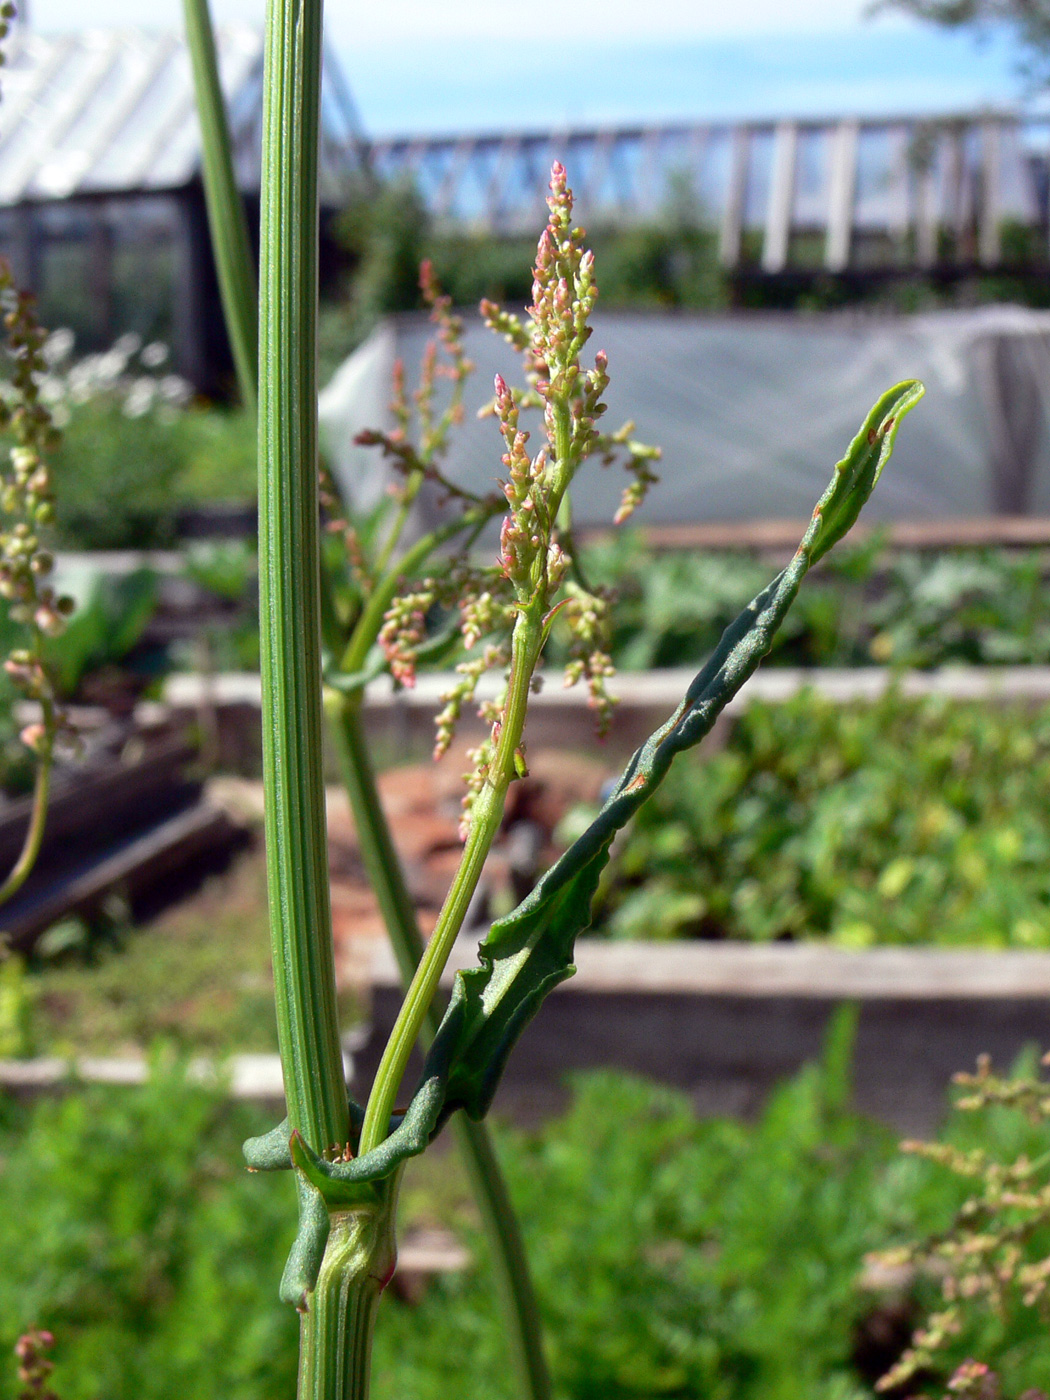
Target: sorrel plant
pixel 347 1160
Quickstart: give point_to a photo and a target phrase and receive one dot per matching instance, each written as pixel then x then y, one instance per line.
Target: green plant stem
pixel 371 620
pixel 227 221
pixel 486 815
pixel 289 581
pixel 335 1346
pixel 34 837
pixel 381 861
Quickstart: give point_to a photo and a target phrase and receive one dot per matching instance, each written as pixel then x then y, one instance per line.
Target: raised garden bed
pixel 728 1022
pixel 127 815
pixel 559 718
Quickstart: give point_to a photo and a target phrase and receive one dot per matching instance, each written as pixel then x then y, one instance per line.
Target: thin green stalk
pixel 34 837
pixel 379 600
pixel 381 861
pixel 227 222
pixel 289 581
pixel 486 815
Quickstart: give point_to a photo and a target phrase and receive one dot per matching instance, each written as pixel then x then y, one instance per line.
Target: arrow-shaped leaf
pixel 530 951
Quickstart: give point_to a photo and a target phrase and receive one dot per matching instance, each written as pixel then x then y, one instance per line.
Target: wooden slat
pixel 841 191
pixel 736 190
pixel 989 242
pixel 966 182
pixel 1006 531
pixel 777 243
pixel 926 217
pixel 132 866
pixel 810 970
pixel 727 1022
pixel 103 800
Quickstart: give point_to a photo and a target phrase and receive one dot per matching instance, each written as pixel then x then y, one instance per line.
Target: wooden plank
pixel 445 201
pixel 134 866
pixel 249 1076
pixel 777 242
pixel 728 1022
pixel 732 229
pixel 960 194
pixel 811 970
pixel 664 688
pixel 98 802
pixel 1006 531
pixel 989 241
pixel 926 224
pixel 899 217
pixel 841 192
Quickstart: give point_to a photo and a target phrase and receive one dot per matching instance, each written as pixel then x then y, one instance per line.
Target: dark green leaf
pixel 529 952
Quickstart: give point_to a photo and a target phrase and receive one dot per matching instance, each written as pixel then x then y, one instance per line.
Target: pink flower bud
pixel 34 736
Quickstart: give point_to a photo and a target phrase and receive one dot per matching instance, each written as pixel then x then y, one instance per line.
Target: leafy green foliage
pixel 122 480
pixel 128 1224
pixel 112 611
pixel 673 1256
pixel 116 477
pixel 895 822
pixel 714 1260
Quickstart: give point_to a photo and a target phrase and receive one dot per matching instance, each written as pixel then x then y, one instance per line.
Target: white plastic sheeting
pixel 753 411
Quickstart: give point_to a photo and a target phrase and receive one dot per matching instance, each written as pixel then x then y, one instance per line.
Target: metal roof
pixel 112 111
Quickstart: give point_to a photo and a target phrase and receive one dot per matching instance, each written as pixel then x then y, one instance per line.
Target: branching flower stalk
pixel 27 501
pixel 34 1365
pixel 533 565
pixel 988 1257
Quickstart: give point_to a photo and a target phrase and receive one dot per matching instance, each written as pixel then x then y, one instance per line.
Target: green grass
pixel 674 1256
pixel 198 976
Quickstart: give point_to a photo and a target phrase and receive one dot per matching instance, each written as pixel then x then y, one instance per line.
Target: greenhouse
pixel 749 411
pixel 101 208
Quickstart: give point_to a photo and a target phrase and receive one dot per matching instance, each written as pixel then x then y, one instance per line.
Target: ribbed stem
pixel 227 223
pixel 335 1335
pixel 381 861
pixel 289 580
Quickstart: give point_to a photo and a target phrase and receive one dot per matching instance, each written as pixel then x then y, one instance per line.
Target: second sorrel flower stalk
pixel 533 568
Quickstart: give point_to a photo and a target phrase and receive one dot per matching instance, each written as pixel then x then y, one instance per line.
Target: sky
pixel 459 65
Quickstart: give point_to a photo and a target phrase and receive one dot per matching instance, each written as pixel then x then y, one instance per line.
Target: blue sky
pixel 471 84
pixel 414 65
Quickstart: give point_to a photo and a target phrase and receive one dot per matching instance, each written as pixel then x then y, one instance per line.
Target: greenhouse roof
pixel 112 111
